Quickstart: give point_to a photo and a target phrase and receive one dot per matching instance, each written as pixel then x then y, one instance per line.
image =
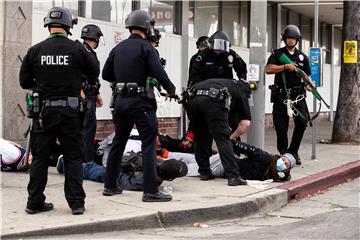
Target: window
pixel 162 11
pixel 337 46
pixel 47 5
pixel 325 41
pixel 205 18
pixel 120 9
pixel 284 18
pixel 305 29
pixel 270 27
pixel 294 18
pixel 235 22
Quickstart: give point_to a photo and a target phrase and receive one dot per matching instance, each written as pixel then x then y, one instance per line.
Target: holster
pixel 274 92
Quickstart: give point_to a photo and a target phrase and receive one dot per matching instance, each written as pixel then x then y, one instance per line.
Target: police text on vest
pixel 55 60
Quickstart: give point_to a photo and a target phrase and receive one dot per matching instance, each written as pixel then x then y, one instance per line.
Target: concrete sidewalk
pixel 193 200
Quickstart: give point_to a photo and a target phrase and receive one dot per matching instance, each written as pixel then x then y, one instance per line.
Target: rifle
pixel 285 60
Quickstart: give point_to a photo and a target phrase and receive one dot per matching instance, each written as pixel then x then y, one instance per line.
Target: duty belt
pixel 220 94
pixel 55 103
pixel 71 102
pixel 129 89
pixel 292 90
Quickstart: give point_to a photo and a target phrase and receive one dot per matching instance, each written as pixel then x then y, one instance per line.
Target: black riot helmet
pixel 220 41
pixel 155 38
pixel 202 42
pixel 140 19
pixel 291 31
pixel 92 32
pixel 60 17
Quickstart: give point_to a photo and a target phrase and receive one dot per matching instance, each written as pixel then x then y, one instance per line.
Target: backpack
pixel 131 162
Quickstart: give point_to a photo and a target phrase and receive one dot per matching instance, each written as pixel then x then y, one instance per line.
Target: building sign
pixel 315 65
pixel 164 15
pixel 350 52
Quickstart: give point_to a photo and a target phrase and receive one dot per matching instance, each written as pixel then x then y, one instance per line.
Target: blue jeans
pixel 94 172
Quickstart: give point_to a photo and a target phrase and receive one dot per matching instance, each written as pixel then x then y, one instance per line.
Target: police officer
pixel 287 87
pixel 52 69
pixel 201 44
pixel 217 61
pixel 91 35
pixel 129 64
pixel 217 93
pixel 154 39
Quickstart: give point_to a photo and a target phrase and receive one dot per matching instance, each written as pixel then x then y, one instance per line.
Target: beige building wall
pixel 15 39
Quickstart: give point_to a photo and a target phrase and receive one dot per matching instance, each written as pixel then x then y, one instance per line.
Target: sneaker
pixel 78 211
pixel 112 191
pixel 206 177
pixel 234 181
pixel 60 164
pixel 156 197
pixel 46 207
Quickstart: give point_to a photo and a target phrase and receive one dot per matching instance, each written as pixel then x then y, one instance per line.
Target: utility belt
pixel 293 91
pixel 218 94
pixel 132 89
pixel 129 89
pixel 75 103
pixel 35 105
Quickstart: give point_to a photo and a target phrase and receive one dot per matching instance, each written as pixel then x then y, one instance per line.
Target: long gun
pixel 285 60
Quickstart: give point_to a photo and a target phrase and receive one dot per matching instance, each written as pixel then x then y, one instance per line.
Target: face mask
pixel 280 165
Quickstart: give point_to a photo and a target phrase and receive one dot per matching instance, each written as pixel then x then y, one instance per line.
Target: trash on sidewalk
pixel 199 225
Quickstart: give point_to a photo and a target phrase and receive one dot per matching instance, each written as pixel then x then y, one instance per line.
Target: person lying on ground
pixel 257 164
pixel 131 177
pixel 12 157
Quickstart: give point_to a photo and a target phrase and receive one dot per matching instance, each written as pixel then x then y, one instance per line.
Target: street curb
pixel 267 200
pixel 321 181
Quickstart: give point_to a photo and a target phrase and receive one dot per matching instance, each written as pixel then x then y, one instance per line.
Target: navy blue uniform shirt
pixel 292 79
pixel 239 108
pixel 133 60
pixel 54 67
pixel 208 64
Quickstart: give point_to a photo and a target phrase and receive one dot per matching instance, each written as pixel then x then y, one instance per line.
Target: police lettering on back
pixel 55 60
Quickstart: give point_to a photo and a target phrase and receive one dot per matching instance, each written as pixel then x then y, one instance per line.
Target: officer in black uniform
pixel 154 39
pixel 91 35
pixel 214 120
pixel 217 61
pixel 201 44
pixel 287 82
pixel 53 69
pixel 129 64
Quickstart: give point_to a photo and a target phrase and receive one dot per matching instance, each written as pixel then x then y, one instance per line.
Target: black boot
pixel 234 181
pixel 297 158
pixel 112 191
pixel 206 177
pixel 156 197
pixel 44 208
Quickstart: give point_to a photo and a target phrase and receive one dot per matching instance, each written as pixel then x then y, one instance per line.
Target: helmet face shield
pixel 221 45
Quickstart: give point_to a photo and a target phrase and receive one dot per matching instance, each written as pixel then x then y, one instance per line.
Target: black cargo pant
pixel 63 124
pixel 89 129
pixel 127 112
pixel 281 123
pixel 209 118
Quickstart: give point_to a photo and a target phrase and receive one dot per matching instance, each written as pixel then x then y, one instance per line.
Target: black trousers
pixel 281 122
pixel 141 112
pixel 65 125
pixel 89 130
pixel 210 119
